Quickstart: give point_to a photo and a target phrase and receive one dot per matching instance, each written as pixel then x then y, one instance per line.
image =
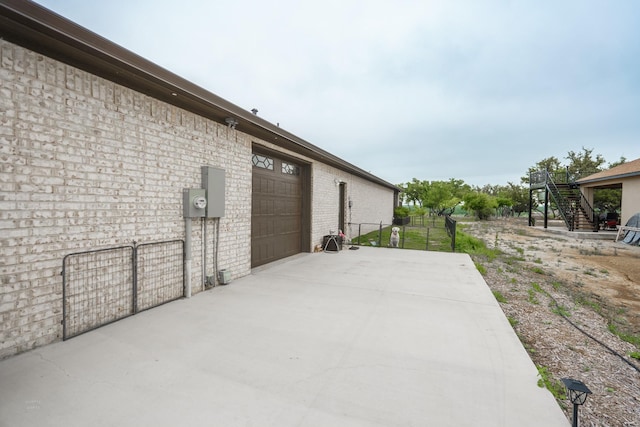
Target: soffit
pixel 39 29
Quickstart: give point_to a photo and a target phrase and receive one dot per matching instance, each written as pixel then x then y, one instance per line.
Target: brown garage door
pixel 276 218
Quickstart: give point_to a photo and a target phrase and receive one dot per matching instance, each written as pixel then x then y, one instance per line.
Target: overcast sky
pixel 466 89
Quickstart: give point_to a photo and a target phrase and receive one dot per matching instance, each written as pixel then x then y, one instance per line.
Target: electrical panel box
pixel 214 185
pixel 194 202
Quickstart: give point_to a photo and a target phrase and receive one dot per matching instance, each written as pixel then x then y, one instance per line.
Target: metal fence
pixel 418 233
pixel 105 285
pixel 450 225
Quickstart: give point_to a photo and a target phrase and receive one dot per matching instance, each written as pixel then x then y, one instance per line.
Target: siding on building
pixel 627 175
pixel 371 203
pixel 87 163
pixel 629 204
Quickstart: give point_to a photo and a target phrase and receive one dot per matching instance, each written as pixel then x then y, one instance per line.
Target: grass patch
pixel 556 387
pixel 560 309
pixel 481 268
pixel 512 321
pixel 635 355
pixel 533 293
pixel 536 287
pixel 538 270
pixel 592 252
pixel 468 244
pixel 513 260
pixel 434 237
pixel 586 302
pixel 499 297
pixel 630 338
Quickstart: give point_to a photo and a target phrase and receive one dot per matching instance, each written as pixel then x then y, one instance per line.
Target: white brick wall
pixel 86 164
pixel 371 203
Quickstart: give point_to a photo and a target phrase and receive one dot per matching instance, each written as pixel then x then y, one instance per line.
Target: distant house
pixel 97 146
pixel 626 177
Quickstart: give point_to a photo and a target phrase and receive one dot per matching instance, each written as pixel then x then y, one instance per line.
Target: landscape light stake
pixel 578 393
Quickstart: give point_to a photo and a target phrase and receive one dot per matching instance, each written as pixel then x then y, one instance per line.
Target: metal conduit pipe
pixel 187 257
pixel 204 253
pixel 215 261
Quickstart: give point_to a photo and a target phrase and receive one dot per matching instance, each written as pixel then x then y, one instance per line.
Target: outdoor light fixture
pixel 231 122
pixel 578 393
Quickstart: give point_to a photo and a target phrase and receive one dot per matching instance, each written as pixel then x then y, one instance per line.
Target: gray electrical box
pixel 194 202
pixel 214 185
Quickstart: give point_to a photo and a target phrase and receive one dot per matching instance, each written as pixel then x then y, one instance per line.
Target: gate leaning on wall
pixel 105 285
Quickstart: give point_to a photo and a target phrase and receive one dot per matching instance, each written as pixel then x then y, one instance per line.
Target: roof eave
pixel 41 30
pixel 607 178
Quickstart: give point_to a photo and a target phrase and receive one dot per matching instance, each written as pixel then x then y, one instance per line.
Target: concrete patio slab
pixel 373 337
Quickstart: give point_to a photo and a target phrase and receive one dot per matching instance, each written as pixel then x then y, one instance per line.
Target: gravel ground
pixel 561 294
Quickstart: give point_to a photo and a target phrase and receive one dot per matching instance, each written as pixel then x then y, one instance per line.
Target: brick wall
pixel 85 164
pixel 371 203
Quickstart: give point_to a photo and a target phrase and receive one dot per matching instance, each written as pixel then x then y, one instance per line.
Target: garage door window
pixel 263 162
pixel 290 169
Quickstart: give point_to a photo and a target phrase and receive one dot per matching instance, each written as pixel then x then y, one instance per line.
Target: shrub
pixel 474 246
pixel 481 204
pixel 401 212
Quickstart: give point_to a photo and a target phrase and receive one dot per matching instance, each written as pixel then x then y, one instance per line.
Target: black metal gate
pixel 105 285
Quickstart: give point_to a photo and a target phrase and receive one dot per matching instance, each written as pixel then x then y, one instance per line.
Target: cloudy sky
pixel 466 89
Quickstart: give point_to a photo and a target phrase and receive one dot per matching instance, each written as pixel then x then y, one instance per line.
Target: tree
pixel 444 196
pixel 439 197
pixel 580 164
pixel 503 206
pixel 551 164
pixel 583 164
pixel 519 196
pixel 510 198
pixel 413 192
pixel 617 163
pixel 609 199
pixel 481 204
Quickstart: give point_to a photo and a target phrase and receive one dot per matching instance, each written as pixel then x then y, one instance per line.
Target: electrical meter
pixel 194 202
pixel 199 202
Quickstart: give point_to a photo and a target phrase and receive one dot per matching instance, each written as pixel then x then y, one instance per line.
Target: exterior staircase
pixel 573 207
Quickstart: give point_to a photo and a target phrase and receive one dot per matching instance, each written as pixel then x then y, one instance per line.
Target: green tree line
pixel 444 197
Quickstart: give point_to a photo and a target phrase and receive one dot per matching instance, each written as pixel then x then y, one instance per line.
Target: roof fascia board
pixel 609 178
pixel 37 28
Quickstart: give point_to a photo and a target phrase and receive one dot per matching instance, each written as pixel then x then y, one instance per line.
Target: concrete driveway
pixel 370 337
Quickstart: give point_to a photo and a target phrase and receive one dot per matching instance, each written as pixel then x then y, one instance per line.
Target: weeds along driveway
pixel 373 337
